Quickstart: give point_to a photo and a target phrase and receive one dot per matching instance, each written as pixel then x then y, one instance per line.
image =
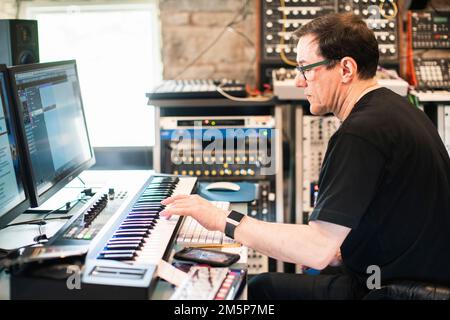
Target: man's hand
pixel 337 260
pixel 208 215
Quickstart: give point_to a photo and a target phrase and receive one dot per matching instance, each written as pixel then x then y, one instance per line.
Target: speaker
pixel 18 42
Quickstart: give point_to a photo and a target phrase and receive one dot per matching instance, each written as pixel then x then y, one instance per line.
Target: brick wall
pixel 8 9
pixel 190 26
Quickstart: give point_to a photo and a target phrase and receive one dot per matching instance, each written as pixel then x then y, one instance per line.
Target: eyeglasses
pixel 308 67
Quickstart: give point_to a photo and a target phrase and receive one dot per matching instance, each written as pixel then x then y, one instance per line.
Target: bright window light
pixel 117 49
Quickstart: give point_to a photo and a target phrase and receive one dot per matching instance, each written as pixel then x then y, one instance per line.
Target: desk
pixel 129 180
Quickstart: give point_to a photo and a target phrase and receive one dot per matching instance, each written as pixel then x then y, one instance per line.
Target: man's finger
pixel 177 211
pixel 172 199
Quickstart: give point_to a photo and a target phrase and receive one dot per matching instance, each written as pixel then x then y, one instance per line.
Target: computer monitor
pixel 13 196
pixel 53 125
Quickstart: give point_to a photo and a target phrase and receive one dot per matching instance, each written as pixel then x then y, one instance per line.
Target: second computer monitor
pixel 13 195
pixel 51 115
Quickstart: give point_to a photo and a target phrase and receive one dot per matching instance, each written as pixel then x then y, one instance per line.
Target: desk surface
pixel 19 236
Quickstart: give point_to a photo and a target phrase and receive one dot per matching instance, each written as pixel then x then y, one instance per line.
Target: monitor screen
pixel 13 198
pixel 50 108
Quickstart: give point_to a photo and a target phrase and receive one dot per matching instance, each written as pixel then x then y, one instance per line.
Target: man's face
pixel 322 84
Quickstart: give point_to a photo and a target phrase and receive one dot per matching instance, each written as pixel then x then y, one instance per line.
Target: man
pixel 384 187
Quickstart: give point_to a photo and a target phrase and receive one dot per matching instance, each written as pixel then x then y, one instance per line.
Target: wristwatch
pixel 233 220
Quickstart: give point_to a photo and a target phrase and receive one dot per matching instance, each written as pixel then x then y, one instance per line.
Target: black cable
pixel 18 8
pixel 41 221
pixel 434 8
pixel 35 221
pixel 252 62
pixel 202 53
pixel 65 205
pixel 243 35
pixel 84 184
pixel 250 68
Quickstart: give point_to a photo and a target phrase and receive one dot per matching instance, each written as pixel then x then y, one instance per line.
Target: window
pixel 117 48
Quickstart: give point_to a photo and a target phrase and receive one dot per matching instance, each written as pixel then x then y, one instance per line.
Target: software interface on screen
pixel 11 187
pixel 54 122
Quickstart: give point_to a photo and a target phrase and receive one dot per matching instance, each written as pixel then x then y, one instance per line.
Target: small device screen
pixel 211 257
pixel 207 255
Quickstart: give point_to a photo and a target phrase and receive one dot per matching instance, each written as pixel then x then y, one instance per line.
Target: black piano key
pixel 154 199
pixel 129 224
pixel 146 196
pixel 126 231
pixel 147 202
pixel 115 240
pixel 136 225
pixel 158 187
pixel 157 192
pixel 142 215
pixel 134 221
pixel 148 222
pixel 133 246
pixel 129 234
pixel 132 230
pixel 154 209
pixel 146 210
pixel 148 206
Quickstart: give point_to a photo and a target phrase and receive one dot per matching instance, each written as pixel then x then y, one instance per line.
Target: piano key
pixel 140 219
pixel 129 234
pixel 136 225
pixel 143 224
pixel 157 192
pixel 111 240
pixel 160 186
pixel 134 246
pixel 120 230
pixel 117 256
pixel 123 240
pixel 118 251
pixel 154 209
pixel 124 246
pixel 142 214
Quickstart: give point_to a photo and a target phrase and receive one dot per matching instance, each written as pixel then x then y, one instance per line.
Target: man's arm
pixel 313 245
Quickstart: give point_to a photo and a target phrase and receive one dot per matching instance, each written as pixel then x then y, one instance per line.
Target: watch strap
pixel 233 220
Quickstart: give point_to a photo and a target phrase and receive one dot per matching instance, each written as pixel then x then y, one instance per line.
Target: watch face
pixel 233 220
pixel 236 216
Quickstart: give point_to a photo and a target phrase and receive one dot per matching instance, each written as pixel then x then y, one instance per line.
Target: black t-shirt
pixel 386 175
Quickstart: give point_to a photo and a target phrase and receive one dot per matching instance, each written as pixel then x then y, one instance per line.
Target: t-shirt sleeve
pixel 348 180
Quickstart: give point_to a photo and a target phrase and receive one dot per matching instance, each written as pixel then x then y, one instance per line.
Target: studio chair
pixel 409 290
